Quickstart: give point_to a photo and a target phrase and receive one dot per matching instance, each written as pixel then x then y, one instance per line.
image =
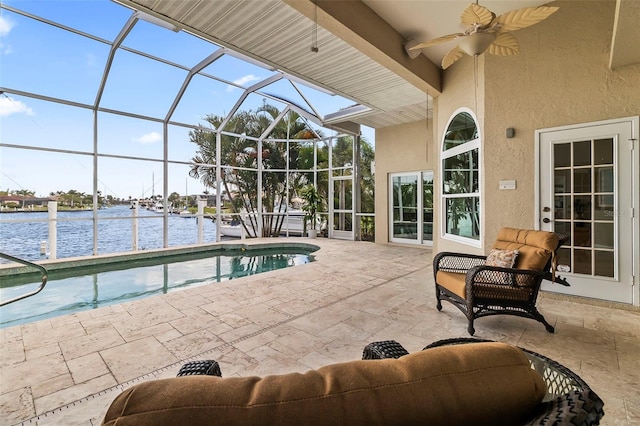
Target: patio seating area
pixel 67 370
pixel 506 282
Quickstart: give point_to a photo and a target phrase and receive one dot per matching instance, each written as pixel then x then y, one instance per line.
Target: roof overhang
pixel 350 50
pixel 625 43
pixel 355 60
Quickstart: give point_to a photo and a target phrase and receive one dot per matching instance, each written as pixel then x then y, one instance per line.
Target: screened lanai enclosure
pixel 121 132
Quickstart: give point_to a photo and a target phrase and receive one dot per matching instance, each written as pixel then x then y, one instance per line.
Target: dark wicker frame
pixel 207 367
pixel 569 400
pixel 492 290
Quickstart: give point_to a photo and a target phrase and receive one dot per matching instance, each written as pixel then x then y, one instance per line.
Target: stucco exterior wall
pixel 560 77
pixel 403 148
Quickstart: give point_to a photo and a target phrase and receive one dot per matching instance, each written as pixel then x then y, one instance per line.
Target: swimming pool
pixel 76 289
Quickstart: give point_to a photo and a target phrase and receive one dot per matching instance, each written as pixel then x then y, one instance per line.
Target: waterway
pixel 21 234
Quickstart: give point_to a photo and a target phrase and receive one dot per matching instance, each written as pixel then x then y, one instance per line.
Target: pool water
pixel 93 287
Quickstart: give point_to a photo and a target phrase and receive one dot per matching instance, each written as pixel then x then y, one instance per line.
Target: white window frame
pixel 452 152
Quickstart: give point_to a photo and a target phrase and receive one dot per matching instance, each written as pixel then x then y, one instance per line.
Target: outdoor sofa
pixel 485 383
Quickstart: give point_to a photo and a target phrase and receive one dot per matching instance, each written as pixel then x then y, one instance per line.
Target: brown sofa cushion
pixel 483 383
pixel 534 247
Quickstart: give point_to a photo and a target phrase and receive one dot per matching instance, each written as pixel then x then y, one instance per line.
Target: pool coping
pixel 60 265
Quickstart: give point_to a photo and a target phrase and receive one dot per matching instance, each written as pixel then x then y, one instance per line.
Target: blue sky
pixel 39 58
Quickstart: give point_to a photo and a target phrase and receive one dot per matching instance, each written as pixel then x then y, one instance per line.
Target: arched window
pixel 461 179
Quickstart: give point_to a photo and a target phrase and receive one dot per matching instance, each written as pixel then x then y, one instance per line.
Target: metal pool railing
pixel 42 270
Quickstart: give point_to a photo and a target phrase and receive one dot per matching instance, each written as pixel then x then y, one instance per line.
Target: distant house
pixel 211 199
pixel 24 201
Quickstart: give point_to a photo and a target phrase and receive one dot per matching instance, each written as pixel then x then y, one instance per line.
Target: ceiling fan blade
pixel 475 14
pixel 504 45
pixel 436 41
pixel 522 18
pixel 451 56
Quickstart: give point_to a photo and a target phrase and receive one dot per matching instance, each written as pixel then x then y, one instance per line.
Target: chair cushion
pixel 481 384
pixel 453 281
pixel 534 247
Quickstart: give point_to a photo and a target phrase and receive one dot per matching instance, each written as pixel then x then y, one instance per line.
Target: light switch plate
pixel 507 184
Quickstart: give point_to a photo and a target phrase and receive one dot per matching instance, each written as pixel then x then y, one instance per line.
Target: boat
pixel 293 225
pixel 228 230
pixel 185 212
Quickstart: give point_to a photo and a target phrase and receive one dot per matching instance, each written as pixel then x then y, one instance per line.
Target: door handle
pixel 546 220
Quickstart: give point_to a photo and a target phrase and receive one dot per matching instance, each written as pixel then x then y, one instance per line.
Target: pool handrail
pixel 42 270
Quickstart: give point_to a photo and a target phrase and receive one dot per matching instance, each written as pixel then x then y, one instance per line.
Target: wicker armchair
pixel 568 401
pixel 479 288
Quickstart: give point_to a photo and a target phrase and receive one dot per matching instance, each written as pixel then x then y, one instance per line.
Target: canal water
pixel 21 234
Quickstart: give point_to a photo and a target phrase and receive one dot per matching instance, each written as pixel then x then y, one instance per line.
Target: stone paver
pixel 66 370
pixel 133 359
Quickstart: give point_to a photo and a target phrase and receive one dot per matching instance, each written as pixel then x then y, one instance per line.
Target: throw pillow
pixel 502 258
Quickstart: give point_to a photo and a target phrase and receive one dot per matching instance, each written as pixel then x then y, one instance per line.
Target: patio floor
pixel 67 370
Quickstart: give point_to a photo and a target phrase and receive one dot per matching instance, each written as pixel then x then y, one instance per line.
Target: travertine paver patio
pixel 66 370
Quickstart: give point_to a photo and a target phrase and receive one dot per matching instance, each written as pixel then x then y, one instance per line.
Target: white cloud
pixel 242 81
pixel 5 49
pixel 5 26
pixel 152 137
pixel 10 106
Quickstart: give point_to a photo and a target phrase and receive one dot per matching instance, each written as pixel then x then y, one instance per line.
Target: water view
pixel 23 233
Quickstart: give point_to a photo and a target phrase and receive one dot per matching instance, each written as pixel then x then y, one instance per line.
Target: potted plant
pixel 312 203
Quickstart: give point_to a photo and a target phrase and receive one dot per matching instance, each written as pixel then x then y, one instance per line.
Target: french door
pixel 341 209
pixel 411 208
pixel 588 189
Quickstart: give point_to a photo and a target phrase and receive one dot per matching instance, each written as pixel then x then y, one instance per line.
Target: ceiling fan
pixel 486 32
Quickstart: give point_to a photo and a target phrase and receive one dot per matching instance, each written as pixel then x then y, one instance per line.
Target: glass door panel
pixel 427 207
pixel 584 198
pixel 342 203
pixel 411 208
pixel 405 207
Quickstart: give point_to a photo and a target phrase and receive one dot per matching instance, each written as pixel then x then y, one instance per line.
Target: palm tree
pixel 275 196
pixel 239 159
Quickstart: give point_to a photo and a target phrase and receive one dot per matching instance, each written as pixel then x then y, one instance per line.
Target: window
pixel 411 204
pixel 461 179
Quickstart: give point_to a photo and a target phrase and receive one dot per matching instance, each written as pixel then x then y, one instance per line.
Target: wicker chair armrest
pixel 200 368
pixel 384 349
pixel 581 408
pixel 456 262
pixel 577 404
pixel 455 341
pixel 501 276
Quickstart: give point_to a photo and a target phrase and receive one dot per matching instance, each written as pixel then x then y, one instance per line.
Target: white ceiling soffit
pixel 274 33
pixel 426 20
pixel 625 44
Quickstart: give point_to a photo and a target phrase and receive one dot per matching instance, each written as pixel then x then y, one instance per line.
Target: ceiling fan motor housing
pixel 476 43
